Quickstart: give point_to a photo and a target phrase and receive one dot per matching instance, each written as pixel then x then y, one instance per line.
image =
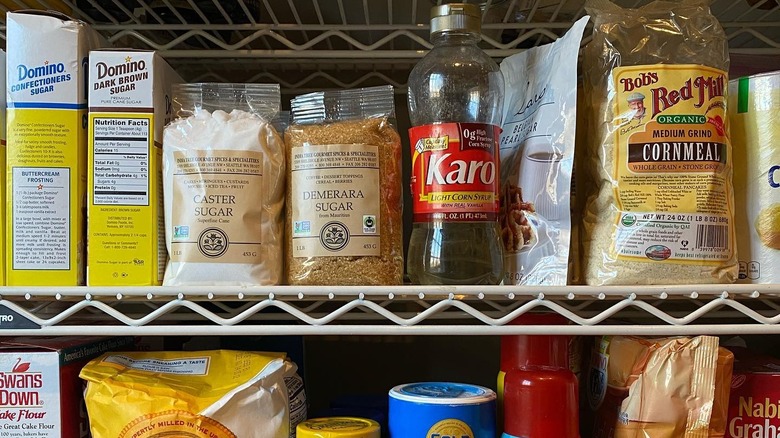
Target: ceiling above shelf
pixel 342 43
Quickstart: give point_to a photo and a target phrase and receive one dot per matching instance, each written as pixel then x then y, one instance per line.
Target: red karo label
pixel 455 172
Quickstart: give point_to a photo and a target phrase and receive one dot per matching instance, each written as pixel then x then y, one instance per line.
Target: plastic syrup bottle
pixel 455 101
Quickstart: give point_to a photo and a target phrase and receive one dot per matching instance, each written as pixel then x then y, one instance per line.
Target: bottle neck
pixel 455 38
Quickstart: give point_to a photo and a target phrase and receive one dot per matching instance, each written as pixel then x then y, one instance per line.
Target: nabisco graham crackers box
pixel 47 148
pixel 754 403
pixel 41 395
pixel 129 105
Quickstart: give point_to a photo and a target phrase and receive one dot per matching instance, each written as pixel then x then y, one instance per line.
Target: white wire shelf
pixel 315 44
pixel 400 310
pixel 342 43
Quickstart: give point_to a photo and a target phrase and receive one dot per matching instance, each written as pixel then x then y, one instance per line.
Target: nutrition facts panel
pixel 121 161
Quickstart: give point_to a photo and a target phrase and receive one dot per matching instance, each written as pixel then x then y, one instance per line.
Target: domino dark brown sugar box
pixel 129 105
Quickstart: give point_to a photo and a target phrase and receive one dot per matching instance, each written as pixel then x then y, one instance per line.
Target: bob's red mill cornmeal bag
pixel 658 145
pixel 195 394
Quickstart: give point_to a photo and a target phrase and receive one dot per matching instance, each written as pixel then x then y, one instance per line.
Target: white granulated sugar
pixel 224 196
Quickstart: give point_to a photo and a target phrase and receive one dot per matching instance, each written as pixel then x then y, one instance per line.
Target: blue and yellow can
pixel 442 410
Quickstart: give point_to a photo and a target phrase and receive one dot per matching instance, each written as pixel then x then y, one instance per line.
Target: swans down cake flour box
pixel 46 153
pixel 129 105
pixel 41 395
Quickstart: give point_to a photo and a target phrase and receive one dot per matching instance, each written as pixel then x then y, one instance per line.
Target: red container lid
pixel 535 350
pixel 541 403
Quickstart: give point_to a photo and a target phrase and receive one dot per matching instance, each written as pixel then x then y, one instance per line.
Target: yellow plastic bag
pixel 198 394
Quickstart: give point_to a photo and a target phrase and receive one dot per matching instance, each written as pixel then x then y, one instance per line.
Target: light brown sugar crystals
pixel 344 207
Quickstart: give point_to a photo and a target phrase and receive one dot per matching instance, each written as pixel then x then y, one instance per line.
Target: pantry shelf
pixel 315 44
pixel 308 45
pixel 400 310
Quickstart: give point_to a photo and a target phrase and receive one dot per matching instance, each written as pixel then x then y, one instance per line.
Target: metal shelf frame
pixel 398 310
pixel 368 41
pixel 314 44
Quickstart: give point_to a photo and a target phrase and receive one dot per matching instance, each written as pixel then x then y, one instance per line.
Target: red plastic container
pixel 540 392
pixel 541 350
pixel 541 402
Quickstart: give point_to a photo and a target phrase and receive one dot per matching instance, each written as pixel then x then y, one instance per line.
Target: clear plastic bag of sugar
pixel 224 167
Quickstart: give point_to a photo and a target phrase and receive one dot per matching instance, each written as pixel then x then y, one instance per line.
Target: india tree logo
pixel 213 242
pixel 334 236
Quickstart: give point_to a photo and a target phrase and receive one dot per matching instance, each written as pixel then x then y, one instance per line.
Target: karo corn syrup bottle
pixel 455 101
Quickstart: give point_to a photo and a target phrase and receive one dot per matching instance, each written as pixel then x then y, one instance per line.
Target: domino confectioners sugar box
pixel 47 63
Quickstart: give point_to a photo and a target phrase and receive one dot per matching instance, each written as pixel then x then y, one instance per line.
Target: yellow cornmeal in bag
pixel 660 207
pixel 200 394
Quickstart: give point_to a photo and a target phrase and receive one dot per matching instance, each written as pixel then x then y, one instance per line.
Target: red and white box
pixel 41 395
pixel 754 403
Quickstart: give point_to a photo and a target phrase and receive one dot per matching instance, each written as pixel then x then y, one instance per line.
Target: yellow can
pixel 339 427
pixel 754 103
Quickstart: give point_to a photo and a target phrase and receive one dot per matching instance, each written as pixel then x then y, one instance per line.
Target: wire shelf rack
pixel 400 310
pixel 315 44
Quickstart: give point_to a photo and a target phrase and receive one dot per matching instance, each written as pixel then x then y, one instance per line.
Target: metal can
pixel 439 409
pixel 339 427
pixel 754 103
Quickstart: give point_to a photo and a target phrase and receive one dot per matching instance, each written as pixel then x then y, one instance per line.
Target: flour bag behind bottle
pixel 537 154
